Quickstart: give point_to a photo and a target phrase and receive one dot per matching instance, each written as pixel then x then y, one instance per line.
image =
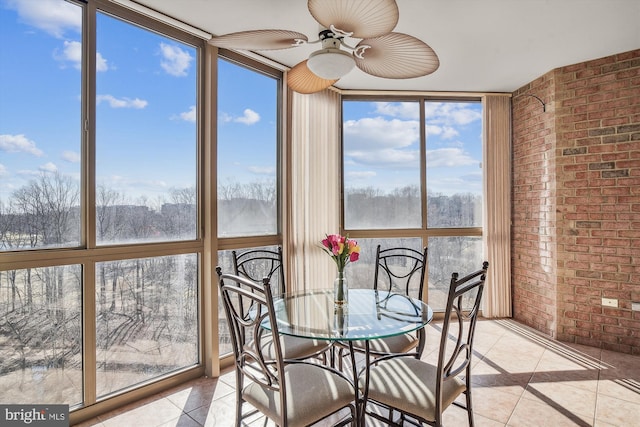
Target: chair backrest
pixel 400 270
pixel 247 305
pixel 456 344
pixel 256 264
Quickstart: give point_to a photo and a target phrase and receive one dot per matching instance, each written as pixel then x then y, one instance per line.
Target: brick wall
pixel 534 206
pixel 576 193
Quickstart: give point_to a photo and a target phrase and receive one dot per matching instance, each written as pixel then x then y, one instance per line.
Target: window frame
pixel 87 254
pixel 424 232
pixel 255 241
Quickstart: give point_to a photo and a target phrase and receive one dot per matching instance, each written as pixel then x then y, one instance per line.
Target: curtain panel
pixel 312 178
pixel 497 205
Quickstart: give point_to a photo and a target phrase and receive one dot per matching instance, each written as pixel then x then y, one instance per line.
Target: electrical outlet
pixel 609 302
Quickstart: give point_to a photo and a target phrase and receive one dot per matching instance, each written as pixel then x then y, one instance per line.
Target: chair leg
pixel 469 407
pixel 238 410
pixel 239 382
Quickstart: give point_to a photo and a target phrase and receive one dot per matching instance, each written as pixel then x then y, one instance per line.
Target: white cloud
pixel 188 116
pixel 101 63
pixel 175 61
pixel 48 167
pixel 449 132
pixel 19 144
pixel 360 175
pixel 250 117
pixel 446 132
pixel 449 157
pixel 451 113
pixel 121 103
pixel 52 16
pixel 72 52
pixel 405 110
pixel 387 157
pixel 258 170
pixel 377 133
pixel 71 156
pixel 132 186
pixel 3 170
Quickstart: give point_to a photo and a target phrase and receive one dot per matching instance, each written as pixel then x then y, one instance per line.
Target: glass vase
pixel 340 289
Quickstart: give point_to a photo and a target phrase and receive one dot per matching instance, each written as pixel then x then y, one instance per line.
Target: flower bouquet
pixel 343 251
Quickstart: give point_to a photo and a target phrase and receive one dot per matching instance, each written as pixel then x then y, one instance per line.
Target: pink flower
pixel 341 249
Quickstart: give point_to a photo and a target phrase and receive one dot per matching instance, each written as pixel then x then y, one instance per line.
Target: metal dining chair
pixel 289 393
pixel 423 391
pixel 400 271
pixel 257 264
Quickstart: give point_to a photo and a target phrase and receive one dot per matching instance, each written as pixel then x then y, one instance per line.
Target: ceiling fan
pixel 380 52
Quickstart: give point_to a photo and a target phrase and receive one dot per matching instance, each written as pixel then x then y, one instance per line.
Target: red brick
pixel 591 223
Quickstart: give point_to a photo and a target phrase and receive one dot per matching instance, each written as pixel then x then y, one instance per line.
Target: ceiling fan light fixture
pixel 330 63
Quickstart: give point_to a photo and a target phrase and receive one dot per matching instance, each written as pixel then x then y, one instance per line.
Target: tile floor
pixel 521 379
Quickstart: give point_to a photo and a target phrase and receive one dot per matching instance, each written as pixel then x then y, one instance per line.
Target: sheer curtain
pixel 497 205
pixel 312 179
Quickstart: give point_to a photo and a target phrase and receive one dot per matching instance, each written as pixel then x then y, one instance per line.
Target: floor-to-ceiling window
pixel 412 176
pixel 100 243
pixel 248 148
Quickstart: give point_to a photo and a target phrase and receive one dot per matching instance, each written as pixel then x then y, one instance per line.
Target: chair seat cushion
pixel 294 347
pixel 312 394
pixel 395 344
pixel 408 384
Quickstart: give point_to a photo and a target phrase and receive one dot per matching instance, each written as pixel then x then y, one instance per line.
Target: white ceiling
pixel 483 45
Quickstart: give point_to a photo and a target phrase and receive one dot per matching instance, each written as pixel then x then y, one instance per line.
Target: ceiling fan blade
pixel 300 79
pixel 363 18
pixel 259 40
pixel 397 56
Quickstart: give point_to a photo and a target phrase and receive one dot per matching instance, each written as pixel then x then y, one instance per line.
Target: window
pixel 247 151
pixel 412 177
pixel 147 319
pixel 381 165
pixel 361 273
pixel 41 331
pixel 248 164
pixel 85 196
pixel 225 261
pixel 146 88
pixel 40 119
pixel 454 156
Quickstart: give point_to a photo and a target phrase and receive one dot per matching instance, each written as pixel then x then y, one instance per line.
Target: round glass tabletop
pixel 369 314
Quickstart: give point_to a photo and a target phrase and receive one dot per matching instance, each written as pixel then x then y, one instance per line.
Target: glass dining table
pixel 368 315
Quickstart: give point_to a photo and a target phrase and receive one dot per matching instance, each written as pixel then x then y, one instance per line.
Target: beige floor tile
pixel 563 397
pixel 507 360
pixel 220 414
pixel 182 421
pixel 585 350
pixel 150 414
pixel 562 367
pixel 493 404
pixel 93 422
pixel 617 412
pixel 620 388
pixel 200 393
pixel 620 376
pixel 486 374
pixel 520 378
pixel 600 423
pixel 532 413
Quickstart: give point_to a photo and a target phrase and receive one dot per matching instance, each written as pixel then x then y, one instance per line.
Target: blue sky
pixel 382 145
pixel 146 121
